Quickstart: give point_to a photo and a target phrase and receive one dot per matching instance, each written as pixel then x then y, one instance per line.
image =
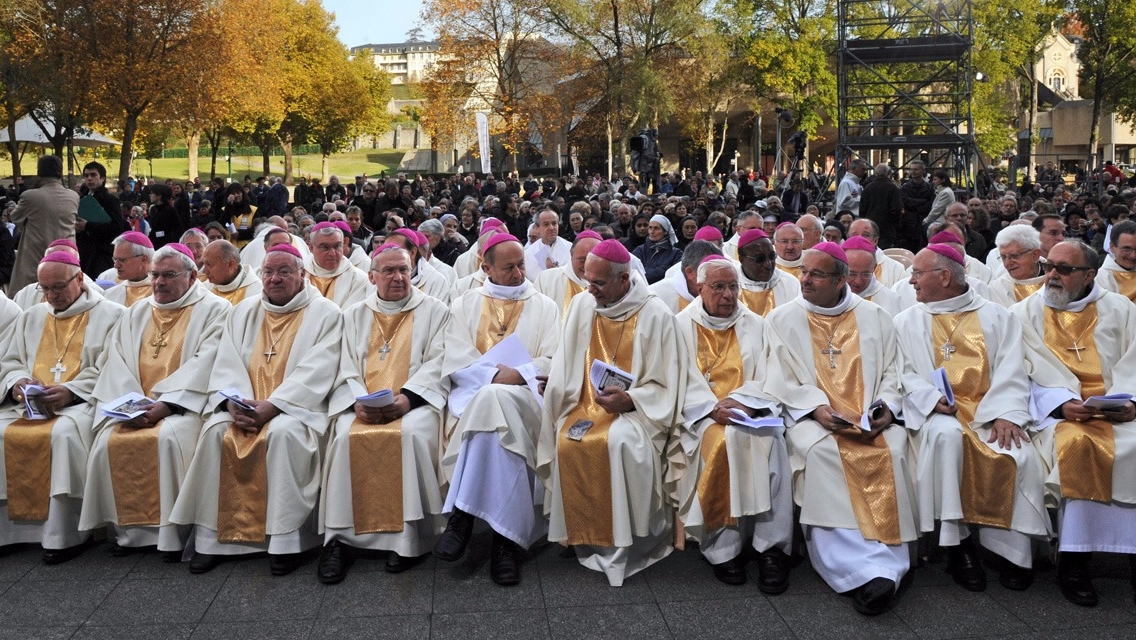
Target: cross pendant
pixel 58 370
pixel 1076 349
pixel 947 350
pixel 831 353
pixel 268 354
pixel 384 350
pixel 504 328
pixel 158 343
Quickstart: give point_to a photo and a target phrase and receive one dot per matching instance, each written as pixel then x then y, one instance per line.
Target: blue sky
pixel 374 21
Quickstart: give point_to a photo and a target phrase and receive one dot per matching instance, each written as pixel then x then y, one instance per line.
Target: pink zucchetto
pixel 945 236
pixel 386 246
pixel 491 223
pixel 498 239
pixel 182 249
pixel 64 242
pixel 712 257
pixel 409 234
pixel 709 232
pixel 612 251
pixel 342 226
pixel 753 235
pixel 134 237
pixel 785 224
pixel 859 243
pixel 60 256
pixel 832 249
pixel 286 248
pixel 588 233
pixel 320 226
pixel 947 251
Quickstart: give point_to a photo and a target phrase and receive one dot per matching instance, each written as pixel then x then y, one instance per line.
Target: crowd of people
pixel 379 366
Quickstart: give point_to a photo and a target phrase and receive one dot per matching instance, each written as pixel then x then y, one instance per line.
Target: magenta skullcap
pixel 286 248
pixel 64 242
pixel 588 233
pixel 832 249
pixel 133 237
pixel 859 243
pixel 713 256
pixel 422 240
pixel 945 236
pixel 498 239
pixel 612 251
pixel 709 232
pixel 408 233
pixel 182 249
pixel 320 226
pixel 342 226
pixel 948 251
pixel 61 257
pixel 491 223
pixel 386 246
pixel 785 224
pixel 753 235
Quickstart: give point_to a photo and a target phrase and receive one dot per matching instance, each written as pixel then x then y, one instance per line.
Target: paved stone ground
pixel 97 596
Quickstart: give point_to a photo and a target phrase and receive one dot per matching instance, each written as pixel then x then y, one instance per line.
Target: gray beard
pixel 1058 297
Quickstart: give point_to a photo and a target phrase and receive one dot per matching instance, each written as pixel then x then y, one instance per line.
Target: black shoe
pixel 59 556
pixel 203 562
pixel 119 551
pixel 570 552
pixel 284 563
pixel 171 557
pixel 731 571
pixel 872 599
pixel 1073 578
pixel 1015 578
pixel 398 564
pixel 963 564
pixel 773 572
pixel 332 567
pixel 504 567
pixel 451 545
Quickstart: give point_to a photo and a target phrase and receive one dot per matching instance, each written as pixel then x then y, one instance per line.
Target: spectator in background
pixel 93 238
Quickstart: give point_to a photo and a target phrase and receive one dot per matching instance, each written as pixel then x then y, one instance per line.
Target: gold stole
pixel 1023 291
pixel 570 292
pixel 759 302
pixel 682 303
pixel 201 277
pixel 242 222
pixel 243 501
pixel 879 270
pixel 1086 451
pixel 498 321
pixel 867 464
pixel 793 271
pixel 988 477
pixel 1126 283
pixel 133 453
pixel 585 469
pixel 136 293
pixel 234 296
pixel 376 449
pixel 326 286
pixel 720 361
pixel 27 443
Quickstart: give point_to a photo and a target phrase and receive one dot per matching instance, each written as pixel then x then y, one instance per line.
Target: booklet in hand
pixel 377 400
pixel 1108 403
pixel 32 403
pixel 604 375
pixel 943 384
pixel 235 396
pixel 128 407
pixel 742 419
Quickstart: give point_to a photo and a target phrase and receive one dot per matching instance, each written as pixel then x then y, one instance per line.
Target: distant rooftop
pixel 398 47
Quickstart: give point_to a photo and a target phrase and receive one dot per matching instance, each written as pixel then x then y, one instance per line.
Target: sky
pixel 374 21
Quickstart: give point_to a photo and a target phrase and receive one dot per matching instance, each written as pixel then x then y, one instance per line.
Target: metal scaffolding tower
pixel 904 83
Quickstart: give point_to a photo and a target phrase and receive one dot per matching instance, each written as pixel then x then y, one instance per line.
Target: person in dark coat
pixel 880 202
pixel 658 253
pixel 165 223
pixel 96 254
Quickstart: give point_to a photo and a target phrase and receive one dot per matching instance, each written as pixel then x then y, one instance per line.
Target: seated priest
pixel 679 289
pixel 763 286
pixel 330 272
pixel 225 276
pixel 564 282
pixel 132 254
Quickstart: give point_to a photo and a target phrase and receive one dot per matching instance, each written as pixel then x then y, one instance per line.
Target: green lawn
pixel 369 161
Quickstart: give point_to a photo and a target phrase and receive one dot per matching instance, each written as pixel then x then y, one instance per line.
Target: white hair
pixel 194 233
pixel 1024 235
pixel 187 263
pixel 705 267
pixel 135 249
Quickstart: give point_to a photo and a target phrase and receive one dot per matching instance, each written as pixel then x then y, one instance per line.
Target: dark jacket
pixel 657 257
pixel 96 254
pixel 165 225
pixel 917 197
pixel 880 202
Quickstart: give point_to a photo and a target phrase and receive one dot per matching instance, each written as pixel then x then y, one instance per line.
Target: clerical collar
pixel 138 283
pixel 192 295
pixel 1034 280
pixel 235 283
pixel 299 301
pixel 965 301
pixel 758 285
pixel 1076 306
pixel 504 292
pixel 390 307
pixel 636 296
pixel 678 281
pixel 714 322
pixel 791 263
pixel 847 301
pixel 320 272
pixel 86 300
pixel 1110 264
pixel 571 273
pixel 870 290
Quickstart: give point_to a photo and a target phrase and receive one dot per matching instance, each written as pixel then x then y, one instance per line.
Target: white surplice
pixel 560 252
pixel 884 297
pixel 294 437
pixel 72 433
pixel 554 284
pixel 118 292
pixel 187 387
pixel 1002 289
pixel 421 427
pixel 351 284
pixel 673 292
pixel 429 281
pixel 940 463
pixel 245 280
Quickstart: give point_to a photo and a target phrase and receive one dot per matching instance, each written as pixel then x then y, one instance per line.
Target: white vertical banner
pixel 483 140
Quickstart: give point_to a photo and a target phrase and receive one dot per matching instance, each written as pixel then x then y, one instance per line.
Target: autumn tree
pixel 356 108
pixel 1108 61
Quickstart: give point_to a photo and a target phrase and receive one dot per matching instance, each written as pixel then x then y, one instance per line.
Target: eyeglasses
pixel 1062 269
pixel 1010 257
pixel 817 274
pixel 792 241
pixel 760 258
pixel 721 287
pixel 57 288
pixel 268 274
pixel 390 271
pixel 165 275
pixel 123 260
pixel 920 274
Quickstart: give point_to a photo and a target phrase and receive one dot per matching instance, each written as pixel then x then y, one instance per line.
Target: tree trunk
pixel 193 145
pixel 325 169
pixel 213 139
pixel 286 144
pixel 1032 122
pixel 1094 128
pixel 610 165
pixel 14 149
pixel 129 129
pixel 266 165
pixel 709 143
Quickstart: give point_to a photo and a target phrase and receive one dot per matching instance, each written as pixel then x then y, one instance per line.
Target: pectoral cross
pixel 158 343
pixel 504 328
pixel 269 353
pixel 1075 349
pixel 710 382
pixel 384 350
pixel 58 370
pixel 947 350
pixel 831 352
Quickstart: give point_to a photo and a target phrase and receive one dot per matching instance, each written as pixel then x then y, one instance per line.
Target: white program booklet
pixel 764 425
pixel 604 375
pixel 1110 402
pixel 127 407
pixel 32 405
pixel 510 352
pixel 377 400
pixel 235 396
pixel 943 385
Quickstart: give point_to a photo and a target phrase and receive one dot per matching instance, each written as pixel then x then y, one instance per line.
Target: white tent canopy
pixel 27 131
